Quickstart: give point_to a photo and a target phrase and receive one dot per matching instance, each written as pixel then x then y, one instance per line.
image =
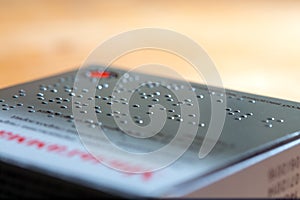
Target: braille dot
pixel 2 100
pixel 58 102
pixel 150 106
pixel 5 108
pixel 110 103
pixel 172 111
pixel 139 121
pixel 98 97
pixel 116 112
pixel 231 113
pixel 280 120
pixel 240 99
pixel 188 100
pixel 90 98
pixel 144 97
pixel 43 88
pixel 250 114
pixel 156 93
pixel 67 100
pixel 98 111
pixel 64 107
pixel 271 118
pixel 171 117
pixel 83 111
pixel 22 94
pixel 80 96
pixel 163 108
pixel 238 118
pixel 51 116
pixel 54 90
pixel 58 98
pixel 40 94
pixel 189 104
pixel 192 115
pixel 170 99
pixel 68 90
pixel 44 102
pixel 105 85
pixel 202 125
pixel 136 106
pixel 15 96
pixel 105 98
pixel 72 94
pixel 5 105
pixel 110 114
pixel 19 104
pixel 57 113
pixel 143 93
pixel 269 125
pixel 137 117
pixel 228 109
pixel 93 126
pixel 237 111
pixel 149 113
pixel 31 111
pixel 85 90
pixel 220 100
pixel 30 107
pixel 252 101
pixel 89 121
pixel 155 100
pixel 179 120
pixel 244 116
pixel 200 96
pixel 168 95
pixel 177 115
pixel 41 98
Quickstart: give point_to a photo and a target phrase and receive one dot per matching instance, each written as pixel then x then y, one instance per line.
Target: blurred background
pixel 255 44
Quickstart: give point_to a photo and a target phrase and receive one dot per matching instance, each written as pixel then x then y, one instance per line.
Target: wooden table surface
pixel 254 44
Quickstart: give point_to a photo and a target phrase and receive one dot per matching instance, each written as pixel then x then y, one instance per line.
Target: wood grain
pixel 254 44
